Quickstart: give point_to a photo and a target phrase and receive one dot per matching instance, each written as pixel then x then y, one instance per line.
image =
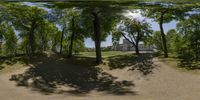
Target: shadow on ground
pixel 1 67
pixel 51 73
pixel 142 63
pixel 189 64
pixel 10 60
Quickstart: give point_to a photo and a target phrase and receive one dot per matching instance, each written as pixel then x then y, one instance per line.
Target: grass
pixel 6 68
pixel 111 60
pixel 88 58
pixel 105 54
pixel 12 64
pixel 83 59
pixel 174 62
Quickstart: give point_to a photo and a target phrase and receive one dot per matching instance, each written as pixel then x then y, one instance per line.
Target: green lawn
pixel 111 60
pixel 104 54
pixel 83 59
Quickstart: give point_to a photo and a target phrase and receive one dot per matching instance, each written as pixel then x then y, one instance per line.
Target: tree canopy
pixel 31 29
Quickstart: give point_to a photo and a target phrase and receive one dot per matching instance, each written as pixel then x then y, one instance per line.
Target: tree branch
pixel 128 39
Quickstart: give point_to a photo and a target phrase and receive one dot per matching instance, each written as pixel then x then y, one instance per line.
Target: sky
pixel 131 14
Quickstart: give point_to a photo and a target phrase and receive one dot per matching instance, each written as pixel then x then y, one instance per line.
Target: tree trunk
pixel 163 36
pixel 31 41
pixel 72 38
pixel 61 40
pixel 0 47
pixel 137 49
pixel 97 36
pixel 44 41
pixel 196 50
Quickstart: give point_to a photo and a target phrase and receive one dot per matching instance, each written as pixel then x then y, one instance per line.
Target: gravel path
pixel 165 83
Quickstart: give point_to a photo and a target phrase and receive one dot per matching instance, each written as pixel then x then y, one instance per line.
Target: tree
pixel 104 19
pixel 75 28
pixel 172 37
pixel 3 23
pixel 10 41
pixel 2 31
pixel 156 39
pixel 190 30
pixel 43 36
pixel 69 20
pixel 164 14
pixel 27 20
pixel 134 31
pixel 54 38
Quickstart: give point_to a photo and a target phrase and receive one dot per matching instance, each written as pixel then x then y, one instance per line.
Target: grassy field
pixel 83 59
pixel 104 54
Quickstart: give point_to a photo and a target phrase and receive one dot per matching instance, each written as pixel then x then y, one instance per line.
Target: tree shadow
pixel 2 67
pixel 11 60
pixel 51 74
pixel 142 63
pixel 189 64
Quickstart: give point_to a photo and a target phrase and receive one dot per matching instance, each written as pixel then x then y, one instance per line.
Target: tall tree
pixel 10 41
pixel 98 19
pixel 103 21
pixel 74 27
pixel 43 36
pixel 134 31
pixel 164 14
pixel 2 31
pixel 190 30
pixel 27 20
pixel 68 19
pixel 3 22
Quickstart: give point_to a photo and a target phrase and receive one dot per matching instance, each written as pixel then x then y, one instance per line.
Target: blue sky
pixel 132 14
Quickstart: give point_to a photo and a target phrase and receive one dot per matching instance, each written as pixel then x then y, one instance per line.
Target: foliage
pixel 134 31
pixel 30 28
pixel 27 20
pixel 174 40
pixel 190 31
pixel 156 40
pixel 108 16
pixel 10 41
pixel 65 19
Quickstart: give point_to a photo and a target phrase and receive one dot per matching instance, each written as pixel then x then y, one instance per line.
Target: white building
pixel 127 46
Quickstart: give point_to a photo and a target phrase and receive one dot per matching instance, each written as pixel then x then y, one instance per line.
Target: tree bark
pixel 136 45
pixel 31 40
pixel 72 38
pixel 44 41
pixel 196 50
pixel 61 40
pixel 163 35
pixel 0 47
pixel 137 49
pixel 97 36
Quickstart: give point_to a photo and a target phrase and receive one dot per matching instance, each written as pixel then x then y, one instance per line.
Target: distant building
pixel 127 46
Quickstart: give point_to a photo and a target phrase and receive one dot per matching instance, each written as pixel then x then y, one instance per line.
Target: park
pixel 97 50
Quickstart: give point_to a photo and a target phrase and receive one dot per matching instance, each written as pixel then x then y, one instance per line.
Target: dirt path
pixel 165 83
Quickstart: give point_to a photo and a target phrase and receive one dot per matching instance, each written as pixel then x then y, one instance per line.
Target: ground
pixel 120 77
